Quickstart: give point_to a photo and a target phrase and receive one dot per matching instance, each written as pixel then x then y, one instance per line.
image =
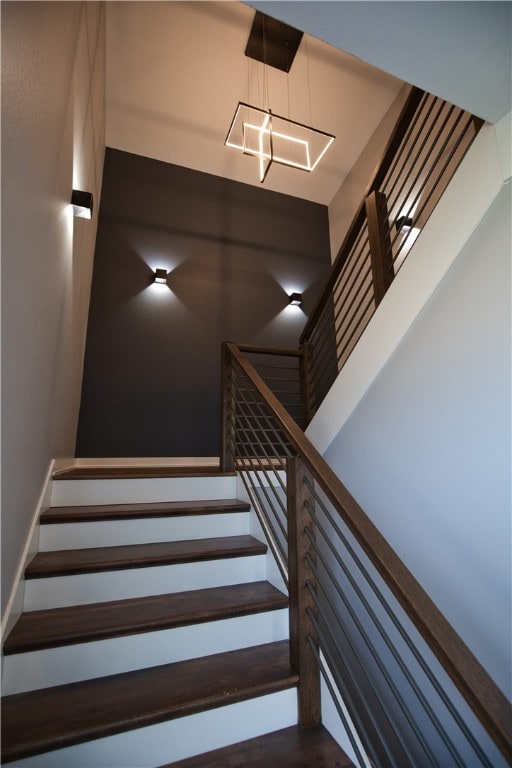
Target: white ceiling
pixel 176 71
pixel 458 50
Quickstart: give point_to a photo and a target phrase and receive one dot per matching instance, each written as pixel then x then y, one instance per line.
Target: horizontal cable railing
pixel 424 151
pixel 412 694
pixel 283 371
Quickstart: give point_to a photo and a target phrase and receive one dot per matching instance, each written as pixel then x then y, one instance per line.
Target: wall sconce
pixel 160 276
pixel 295 299
pixel 404 224
pixel 82 204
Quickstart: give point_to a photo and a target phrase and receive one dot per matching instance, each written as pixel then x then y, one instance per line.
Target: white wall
pixel 53 139
pixel 460 51
pixel 427 452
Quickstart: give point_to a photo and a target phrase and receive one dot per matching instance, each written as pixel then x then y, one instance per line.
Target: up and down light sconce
pixel 82 203
pixel 404 224
pixel 160 276
pixel 295 300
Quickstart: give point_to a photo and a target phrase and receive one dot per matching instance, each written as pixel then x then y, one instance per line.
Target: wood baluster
pixel 305 385
pixel 380 244
pixel 227 432
pixel 302 658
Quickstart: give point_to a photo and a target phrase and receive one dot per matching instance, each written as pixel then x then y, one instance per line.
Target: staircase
pixel 151 633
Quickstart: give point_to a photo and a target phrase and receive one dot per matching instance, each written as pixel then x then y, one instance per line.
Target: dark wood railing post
pixel 302 658
pixel 380 243
pixel 227 430
pixel 305 387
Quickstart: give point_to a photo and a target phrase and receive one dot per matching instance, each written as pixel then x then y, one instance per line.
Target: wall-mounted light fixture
pixel 160 276
pixel 82 204
pixel 295 299
pixel 404 224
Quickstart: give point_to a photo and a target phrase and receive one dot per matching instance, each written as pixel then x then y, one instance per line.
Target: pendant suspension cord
pixel 265 73
pixel 248 80
pixel 288 90
pixel 260 98
pixel 309 83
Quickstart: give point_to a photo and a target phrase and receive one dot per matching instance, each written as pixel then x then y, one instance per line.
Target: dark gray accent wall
pixel 151 383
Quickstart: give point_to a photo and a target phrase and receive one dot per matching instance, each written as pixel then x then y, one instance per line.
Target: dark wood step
pixel 102 512
pixel 83 623
pixel 52 718
pixel 293 747
pixel 66 562
pixel 135 473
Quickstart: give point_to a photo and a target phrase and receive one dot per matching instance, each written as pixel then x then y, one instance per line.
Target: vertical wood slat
pixel 227 429
pixel 400 130
pixel 305 387
pixel 302 658
pixel 380 243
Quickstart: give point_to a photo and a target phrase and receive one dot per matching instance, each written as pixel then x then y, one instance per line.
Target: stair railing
pixel 427 144
pixel 406 686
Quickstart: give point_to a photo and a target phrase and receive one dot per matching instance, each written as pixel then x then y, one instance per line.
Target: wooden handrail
pixel 481 693
pixel 411 105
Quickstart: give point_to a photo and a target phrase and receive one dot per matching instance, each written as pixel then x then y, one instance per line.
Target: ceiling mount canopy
pixel 273 42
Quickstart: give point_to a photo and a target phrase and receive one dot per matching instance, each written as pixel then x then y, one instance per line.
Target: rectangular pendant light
pixel 275 139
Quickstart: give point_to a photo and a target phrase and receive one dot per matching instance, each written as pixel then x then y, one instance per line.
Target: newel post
pixel 302 658
pixel 380 243
pixel 305 386
pixel 227 429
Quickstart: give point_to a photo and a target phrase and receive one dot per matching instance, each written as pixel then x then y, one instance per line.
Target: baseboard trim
pixel 14 606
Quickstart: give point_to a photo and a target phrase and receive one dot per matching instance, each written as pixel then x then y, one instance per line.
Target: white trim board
pixel 14 607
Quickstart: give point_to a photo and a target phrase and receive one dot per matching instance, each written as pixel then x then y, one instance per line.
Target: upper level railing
pixel 426 147
pixel 408 689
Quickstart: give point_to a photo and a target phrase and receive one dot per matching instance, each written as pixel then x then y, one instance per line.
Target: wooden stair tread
pixel 52 718
pixel 135 473
pixel 75 561
pixel 36 630
pixel 292 747
pixel 84 514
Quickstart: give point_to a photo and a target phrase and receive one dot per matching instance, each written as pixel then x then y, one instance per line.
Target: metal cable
pixel 387 677
pixel 397 624
pixel 334 694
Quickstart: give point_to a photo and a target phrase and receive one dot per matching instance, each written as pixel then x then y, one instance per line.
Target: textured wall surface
pixel 53 139
pixel 152 368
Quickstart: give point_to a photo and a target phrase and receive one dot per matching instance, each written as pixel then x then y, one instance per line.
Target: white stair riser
pixel 176 739
pixel 61 591
pixel 56 666
pixel 119 532
pixel 140 491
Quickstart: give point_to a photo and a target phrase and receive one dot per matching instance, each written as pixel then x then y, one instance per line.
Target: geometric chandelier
pixel 274 139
